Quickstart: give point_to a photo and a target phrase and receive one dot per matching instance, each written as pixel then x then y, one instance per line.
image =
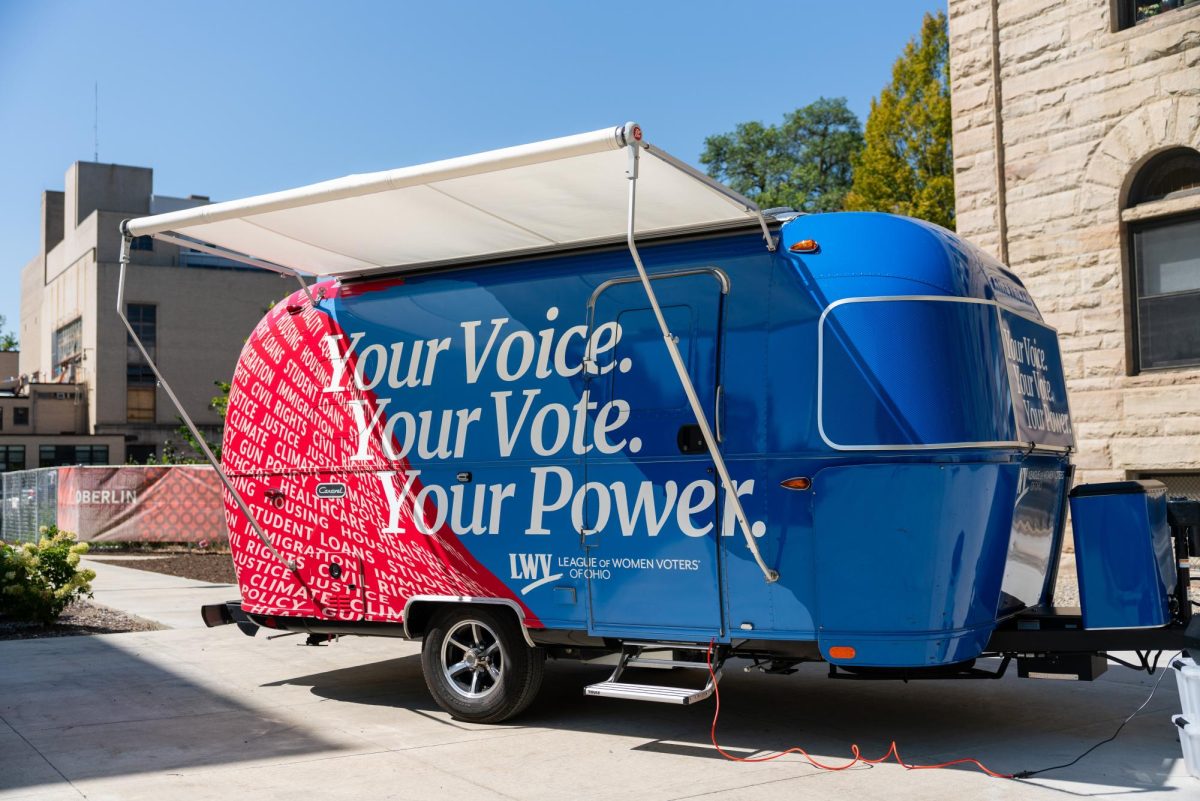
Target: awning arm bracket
pixel 201 443
pixel 731 496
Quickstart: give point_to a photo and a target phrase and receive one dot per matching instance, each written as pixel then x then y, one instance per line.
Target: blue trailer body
pixel 903 372
pixel 521 420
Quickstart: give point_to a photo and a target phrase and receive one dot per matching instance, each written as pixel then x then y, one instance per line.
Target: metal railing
pixel 30 500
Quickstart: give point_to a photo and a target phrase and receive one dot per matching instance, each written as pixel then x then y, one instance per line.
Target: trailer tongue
pixel 575 399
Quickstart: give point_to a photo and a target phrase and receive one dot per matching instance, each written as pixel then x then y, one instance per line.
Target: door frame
pixel 717 410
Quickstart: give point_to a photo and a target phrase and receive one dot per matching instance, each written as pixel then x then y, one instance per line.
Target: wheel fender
pixel 419 610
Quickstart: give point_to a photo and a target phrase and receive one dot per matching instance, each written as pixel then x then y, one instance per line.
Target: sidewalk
pixel 169 600
pixel 210 715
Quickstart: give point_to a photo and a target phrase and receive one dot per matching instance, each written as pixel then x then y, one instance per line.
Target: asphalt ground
pixel 196 713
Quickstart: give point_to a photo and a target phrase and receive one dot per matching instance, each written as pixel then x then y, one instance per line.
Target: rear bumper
pixel 232 612
pixel 226 613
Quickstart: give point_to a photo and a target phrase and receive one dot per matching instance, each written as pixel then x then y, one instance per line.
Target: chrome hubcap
pixel 472 660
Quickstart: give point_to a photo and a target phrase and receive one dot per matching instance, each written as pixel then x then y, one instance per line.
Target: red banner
pixel 176 503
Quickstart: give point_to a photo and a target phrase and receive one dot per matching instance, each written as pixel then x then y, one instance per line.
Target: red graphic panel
pixel 288 447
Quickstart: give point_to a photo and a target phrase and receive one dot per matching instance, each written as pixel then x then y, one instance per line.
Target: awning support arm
pixel 731 496
pixel 126 241
pixel 233 255
pixel 717 186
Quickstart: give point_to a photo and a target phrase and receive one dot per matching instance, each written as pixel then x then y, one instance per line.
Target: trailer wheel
pixel 477 665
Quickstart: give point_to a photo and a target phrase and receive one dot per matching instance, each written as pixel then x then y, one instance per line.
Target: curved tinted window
pixel 913 373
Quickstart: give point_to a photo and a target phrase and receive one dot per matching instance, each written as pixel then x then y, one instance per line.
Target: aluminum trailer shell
pixel 476 453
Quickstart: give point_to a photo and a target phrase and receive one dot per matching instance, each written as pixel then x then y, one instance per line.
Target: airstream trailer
pixel 576 399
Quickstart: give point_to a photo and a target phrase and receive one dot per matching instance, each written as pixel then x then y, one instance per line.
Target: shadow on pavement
pixel 87 707
pixel 1010 725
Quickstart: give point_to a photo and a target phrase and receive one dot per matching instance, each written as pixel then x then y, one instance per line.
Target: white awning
pixel 550 195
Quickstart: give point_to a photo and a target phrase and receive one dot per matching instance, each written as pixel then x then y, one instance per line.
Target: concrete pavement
pixel 212 714
pixel 169 600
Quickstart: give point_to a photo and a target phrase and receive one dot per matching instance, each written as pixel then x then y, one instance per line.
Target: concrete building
pixel 1077 161
pixel 45 425
pixel 193 311
pixel 10 361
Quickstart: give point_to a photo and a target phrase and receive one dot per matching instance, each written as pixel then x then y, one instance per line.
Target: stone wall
pixel 1083 107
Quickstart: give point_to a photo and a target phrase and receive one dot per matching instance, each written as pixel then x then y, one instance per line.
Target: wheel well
pixel 418 613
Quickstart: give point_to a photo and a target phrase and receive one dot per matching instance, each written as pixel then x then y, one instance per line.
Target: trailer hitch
pixel 1183 516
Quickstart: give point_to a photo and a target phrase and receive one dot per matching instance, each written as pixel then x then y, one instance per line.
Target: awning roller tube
pixel 534 199
pixel 369 183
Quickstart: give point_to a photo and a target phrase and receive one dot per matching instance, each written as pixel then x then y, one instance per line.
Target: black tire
pixel 458 658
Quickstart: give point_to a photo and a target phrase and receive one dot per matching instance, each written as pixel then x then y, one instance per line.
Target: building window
pixel 1135 12
pixel 140 384
pixel 67 349
pixel 20 415
pixel 143 317
pixel 1164 261
pixel 12 457
pixel 140 394
pixel 142 243
pixel 140 454
pixel 65 455
pixel 140 404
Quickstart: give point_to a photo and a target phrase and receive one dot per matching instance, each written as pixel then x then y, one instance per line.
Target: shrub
pixel 38 580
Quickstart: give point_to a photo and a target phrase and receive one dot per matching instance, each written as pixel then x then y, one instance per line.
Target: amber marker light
pixel 796 483
pixel 805 246
pixel 842 652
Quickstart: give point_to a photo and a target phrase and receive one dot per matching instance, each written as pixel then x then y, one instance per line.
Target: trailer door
pixel 651 504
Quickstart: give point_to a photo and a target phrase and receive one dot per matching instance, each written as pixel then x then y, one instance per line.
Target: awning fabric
pixel 548 195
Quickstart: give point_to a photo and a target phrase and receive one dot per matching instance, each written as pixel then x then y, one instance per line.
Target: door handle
pixel 717 413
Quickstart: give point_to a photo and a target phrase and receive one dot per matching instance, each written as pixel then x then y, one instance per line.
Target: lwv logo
pixel 533 567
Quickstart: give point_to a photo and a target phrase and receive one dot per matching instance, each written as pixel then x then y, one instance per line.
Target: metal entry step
pixel 632 656
pixel 649 692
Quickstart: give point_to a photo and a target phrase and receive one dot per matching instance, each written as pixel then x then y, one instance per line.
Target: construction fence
pixel 130 503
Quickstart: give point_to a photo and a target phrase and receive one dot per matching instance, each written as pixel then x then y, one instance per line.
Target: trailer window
pixel 908 373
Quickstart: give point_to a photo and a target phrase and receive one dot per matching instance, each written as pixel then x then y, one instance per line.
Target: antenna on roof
pixel 96 123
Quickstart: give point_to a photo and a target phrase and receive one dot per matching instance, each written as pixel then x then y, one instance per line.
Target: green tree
pixel 907 166
pixel 8 340
pixel 805 162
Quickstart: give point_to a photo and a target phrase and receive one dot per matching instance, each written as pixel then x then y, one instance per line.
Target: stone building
pixel 1077 162
pixel 191 309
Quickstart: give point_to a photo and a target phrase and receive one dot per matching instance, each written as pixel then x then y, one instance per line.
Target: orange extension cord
pixel 858 757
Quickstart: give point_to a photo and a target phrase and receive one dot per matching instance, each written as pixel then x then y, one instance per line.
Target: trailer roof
pixel 552 195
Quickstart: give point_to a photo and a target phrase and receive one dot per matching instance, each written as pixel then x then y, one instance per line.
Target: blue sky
pixel 228 99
